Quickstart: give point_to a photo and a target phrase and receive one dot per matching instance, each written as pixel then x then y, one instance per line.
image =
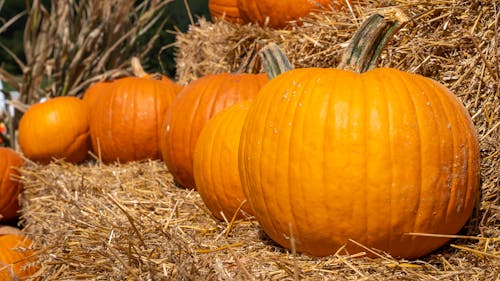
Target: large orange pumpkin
pixel 56 128
pixel 227 9
pixel 10 188
pixel 330 155
pixel 192 109
pixel 216 163
pixel 93 92
pixel 125 123
pixel 280 13
pixel 15 257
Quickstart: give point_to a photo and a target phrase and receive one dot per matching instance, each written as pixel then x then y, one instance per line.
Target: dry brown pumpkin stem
pixel 274 60
pixel 367 43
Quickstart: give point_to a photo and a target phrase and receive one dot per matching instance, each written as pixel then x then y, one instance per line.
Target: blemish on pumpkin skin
pixel 285 96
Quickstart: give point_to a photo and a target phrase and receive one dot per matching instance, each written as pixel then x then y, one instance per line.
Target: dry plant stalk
pixel 73 43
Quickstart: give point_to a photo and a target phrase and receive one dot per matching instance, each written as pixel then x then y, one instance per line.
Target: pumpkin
pixel 56 128
pixel 92 93
pixel 139 71
pixel 215 165
pixel 329 156
pixel 15 257
pixel 96 89
pixel 191 110
pixel 125 123
pixel 224 9
pixel 278 14
pixel 10 188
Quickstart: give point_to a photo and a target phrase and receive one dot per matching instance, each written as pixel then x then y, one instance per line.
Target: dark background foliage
pixel 161 59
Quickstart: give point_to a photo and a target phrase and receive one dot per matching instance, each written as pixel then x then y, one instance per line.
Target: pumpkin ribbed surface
pixel 56 128
pixel 191 110
pixel 333 155
pixel 281 12
pixel 216 163
pixel 10 188
pixel 126 122
pixel 225 8
pixel 94 91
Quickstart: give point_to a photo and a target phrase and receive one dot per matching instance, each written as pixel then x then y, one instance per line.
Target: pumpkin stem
pixel 365 47
pixel 360 56
pixel 274 60
pixel 137 68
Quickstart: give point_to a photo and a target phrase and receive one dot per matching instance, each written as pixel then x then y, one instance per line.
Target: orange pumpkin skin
pixel 125 123
pixel 10 188
pixel 93 92
pixel 227 9
pixel 334 155
pixel 14 255
pixel 56 128
pixel 280 13
pixel 191 110
pixel 216 163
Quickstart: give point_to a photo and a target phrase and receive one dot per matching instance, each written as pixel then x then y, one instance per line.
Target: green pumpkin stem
pixel 274 60
pixel 367 43
pixel 361 54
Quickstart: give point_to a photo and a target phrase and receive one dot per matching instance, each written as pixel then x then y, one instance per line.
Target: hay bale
pixel 118 222
pixel 129 221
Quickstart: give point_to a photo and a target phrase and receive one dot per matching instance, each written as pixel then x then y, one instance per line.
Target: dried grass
pixel 70 44
pixel 130 222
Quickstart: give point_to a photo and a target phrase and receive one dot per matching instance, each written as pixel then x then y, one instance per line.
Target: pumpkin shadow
pixel 268 242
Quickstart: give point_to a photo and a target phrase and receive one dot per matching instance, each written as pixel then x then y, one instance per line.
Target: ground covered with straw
pixel 130 221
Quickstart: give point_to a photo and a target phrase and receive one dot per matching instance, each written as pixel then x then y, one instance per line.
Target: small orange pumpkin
pixel 56 128
pixel 139 71
pixel 215 163
pixel 225 9
pixel 191 110
pixel 126 121
pixel 15 255
pixel 10 188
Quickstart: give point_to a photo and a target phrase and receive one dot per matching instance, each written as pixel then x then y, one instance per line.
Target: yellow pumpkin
pixel 215 164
